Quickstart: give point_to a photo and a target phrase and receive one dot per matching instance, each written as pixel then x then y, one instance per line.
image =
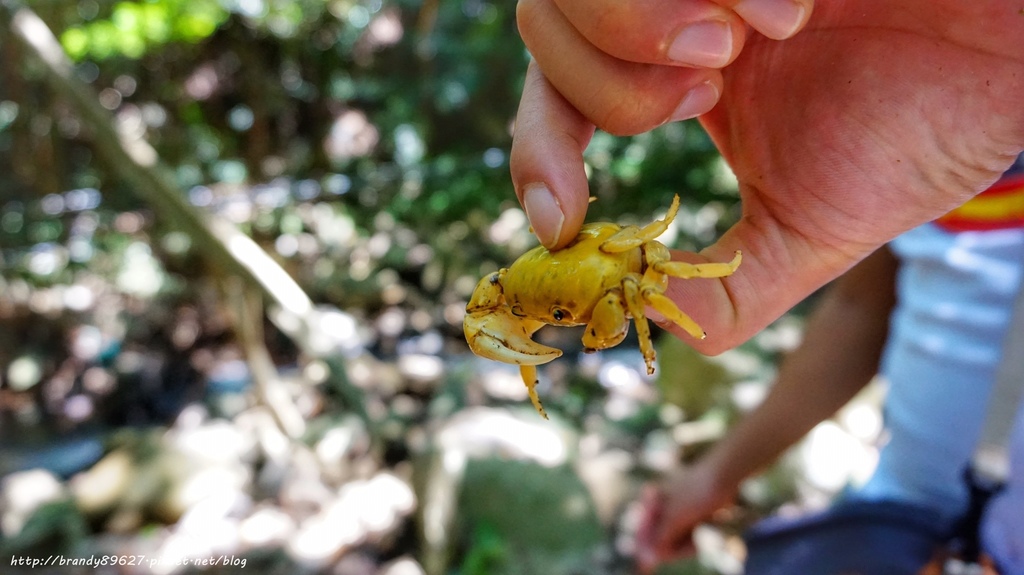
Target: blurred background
pixel 237 238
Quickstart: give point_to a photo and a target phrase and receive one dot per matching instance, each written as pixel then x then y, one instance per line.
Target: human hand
pixel 631 66
pixel 672 509
pixel 874 119
pixel 628 67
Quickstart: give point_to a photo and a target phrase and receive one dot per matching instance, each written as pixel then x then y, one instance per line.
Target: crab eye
pixel 558 315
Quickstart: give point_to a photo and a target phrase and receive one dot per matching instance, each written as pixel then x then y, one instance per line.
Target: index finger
pixel 547 161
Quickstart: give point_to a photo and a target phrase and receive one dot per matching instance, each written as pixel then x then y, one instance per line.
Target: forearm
pixel 842 346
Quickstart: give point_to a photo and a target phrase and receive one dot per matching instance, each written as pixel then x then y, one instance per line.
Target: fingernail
pixel 707 44
pixel 776 19
pixel 696 102
pixel 544 213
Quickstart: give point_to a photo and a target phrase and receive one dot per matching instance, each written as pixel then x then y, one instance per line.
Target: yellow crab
pixel 607 274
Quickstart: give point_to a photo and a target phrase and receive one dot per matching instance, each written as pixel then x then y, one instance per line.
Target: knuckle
pixel 528 14
pixel 614 22
pixel 626 112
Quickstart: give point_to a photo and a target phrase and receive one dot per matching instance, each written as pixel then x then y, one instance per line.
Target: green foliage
pixel 685 567
pixel 487 552
pixel 55 527
pixel 525 518
pixel 134 28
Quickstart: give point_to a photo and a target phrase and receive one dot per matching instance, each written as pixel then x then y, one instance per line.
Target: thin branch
pixel 271 391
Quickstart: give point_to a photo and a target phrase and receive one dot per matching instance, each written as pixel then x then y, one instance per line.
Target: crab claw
pixel 494 332
pixel 497 334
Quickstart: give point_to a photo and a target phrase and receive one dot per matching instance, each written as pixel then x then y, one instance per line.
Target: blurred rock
pixel 165 475
pixel 402 566
pixel 99 489
pixel 210 528
pixel 339 446
pixel 606 475
pixel 24 372
pixel 303 494
pixel 355 564
pixel 422 371
pixel 210 460
pixel 374 375
pixel 659 451
pixel 22 493
pixel 624 376
pixel 362 511
pixel 266 526
pixel 502 381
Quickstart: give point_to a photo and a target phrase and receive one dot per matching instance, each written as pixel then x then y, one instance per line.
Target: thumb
pixel 547 161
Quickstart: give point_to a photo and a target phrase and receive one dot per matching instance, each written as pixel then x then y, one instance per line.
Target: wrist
pixel 711 484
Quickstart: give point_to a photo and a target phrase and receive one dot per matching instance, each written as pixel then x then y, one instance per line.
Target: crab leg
pixel 635 305
pixel 608 323
pixel 667 308
pixel 529 374
pixel 633 237
pixel 656 280
pixel 687 271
